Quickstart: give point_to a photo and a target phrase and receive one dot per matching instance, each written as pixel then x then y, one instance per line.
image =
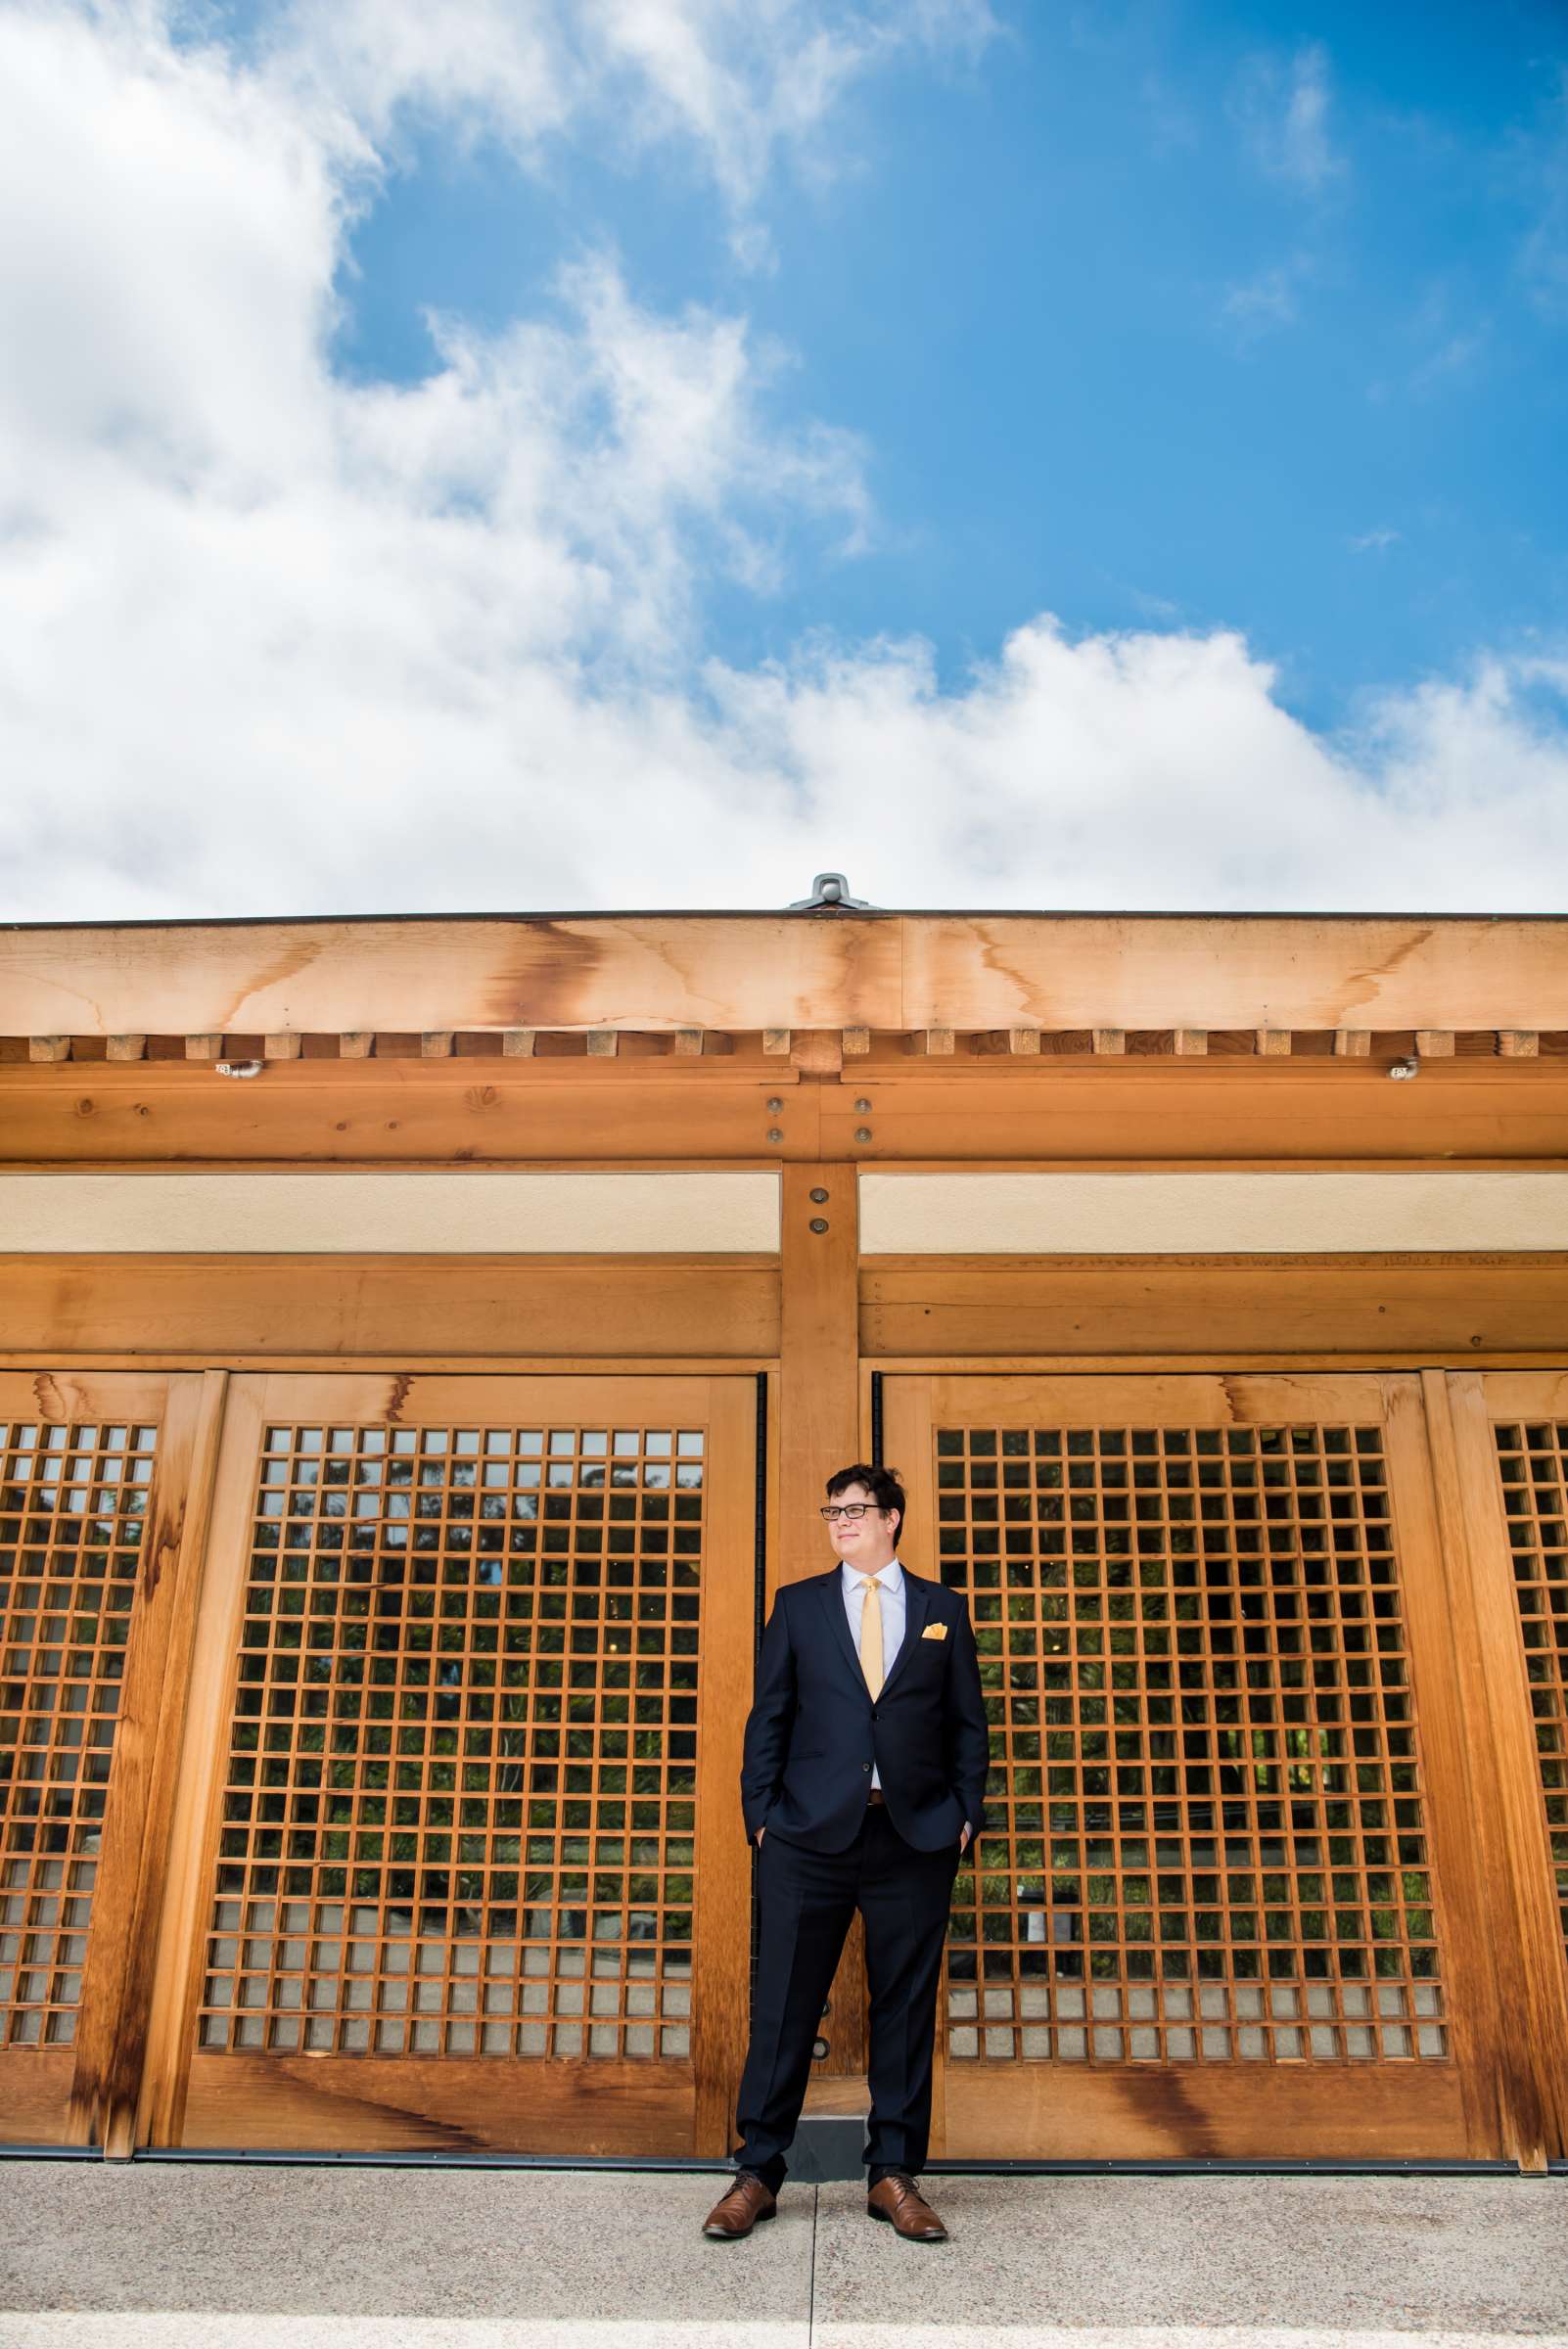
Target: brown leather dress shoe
pixel 736 2213
pixel 897 2199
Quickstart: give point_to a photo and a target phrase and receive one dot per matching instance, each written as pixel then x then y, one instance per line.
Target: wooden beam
pixel 1189 1043
pixel 818 1053
pixel 1024 1041
pixel 688 1043
pixel 1273 1043
pixel 516 1044
pixel 282 1046
pixel 939 1044
pixel 436 1043
pixel 855 1042
pixel 897 974
pixel 1352 1043
pixel 603 1043
pixel 48 1048
pixel 356 1043
pixel 776 1042
pixel 1434 1043
pixel 126 1047
pixel 1224 1307
pixel 1109 1040
pixel 1518 1043
pixel 262 1307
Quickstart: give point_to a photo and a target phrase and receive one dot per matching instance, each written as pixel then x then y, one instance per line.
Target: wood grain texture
pixel 415 1306
pixel 752 971
pixel 331 2104
pixel 1487 1631
pixel 1214 1305
pixel 117 1987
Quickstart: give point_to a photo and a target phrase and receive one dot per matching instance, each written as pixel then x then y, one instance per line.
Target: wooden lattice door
pixel 1231 1902
pixel 459 1861
pixel 94 1472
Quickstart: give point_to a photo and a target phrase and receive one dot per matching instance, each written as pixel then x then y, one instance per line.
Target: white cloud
pixel 274 642
pixel 1283 108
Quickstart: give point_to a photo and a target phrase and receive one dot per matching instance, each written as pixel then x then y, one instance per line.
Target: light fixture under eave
pixel 1405 1068
pixel 239 1068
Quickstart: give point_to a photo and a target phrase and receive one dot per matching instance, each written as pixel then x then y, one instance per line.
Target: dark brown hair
pixel 881 1482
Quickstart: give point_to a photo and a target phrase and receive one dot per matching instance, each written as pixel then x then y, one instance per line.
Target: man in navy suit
pixel 863 1783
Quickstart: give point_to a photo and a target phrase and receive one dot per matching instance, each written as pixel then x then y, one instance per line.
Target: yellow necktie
pixel 871 1634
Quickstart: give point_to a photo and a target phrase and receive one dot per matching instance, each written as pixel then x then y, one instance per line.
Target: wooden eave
pixel 774 977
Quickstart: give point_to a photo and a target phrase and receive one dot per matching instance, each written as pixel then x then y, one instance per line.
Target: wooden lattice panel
pixel 458 1815
pixel 1208 1843
pixel 72 1512
pixel 1533 1461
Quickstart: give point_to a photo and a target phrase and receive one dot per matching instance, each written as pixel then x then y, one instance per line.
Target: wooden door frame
pixel 197 1756
pixel 1464 1623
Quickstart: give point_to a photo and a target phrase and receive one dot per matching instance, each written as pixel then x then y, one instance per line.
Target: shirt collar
pixel 887 1577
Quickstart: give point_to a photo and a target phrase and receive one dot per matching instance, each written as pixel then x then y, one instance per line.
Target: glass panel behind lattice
pixel 1532 1460
pixel 73 1511
pixel 459 1805
pixel 1207 1839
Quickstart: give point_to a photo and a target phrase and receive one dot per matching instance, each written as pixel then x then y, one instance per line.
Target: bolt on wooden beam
pixel 48 1048
pixel 1352 1043
pixel 516 1044
pixel 938 1041
pixel 688 1043
pixel 356 1043
pixel 1273 1043
pixel 1022 1039
pixel 1189 1043
pixel 855 1042
pixel 1519 1043
pixel 126 1047
pixel 1109 1040
pixel 204 1047
pixel 436 1043
pixel 603 1043
pixel 285 1046
pixel 1434 1043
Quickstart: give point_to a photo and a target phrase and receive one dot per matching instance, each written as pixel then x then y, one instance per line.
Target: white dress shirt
pixel 892 1604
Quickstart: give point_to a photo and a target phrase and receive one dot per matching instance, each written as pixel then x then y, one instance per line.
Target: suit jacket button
pixel 866 1765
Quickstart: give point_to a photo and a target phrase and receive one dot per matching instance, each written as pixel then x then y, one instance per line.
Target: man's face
pixel 863 1543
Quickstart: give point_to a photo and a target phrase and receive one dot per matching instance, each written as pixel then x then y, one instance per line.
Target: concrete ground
pixel 152 2256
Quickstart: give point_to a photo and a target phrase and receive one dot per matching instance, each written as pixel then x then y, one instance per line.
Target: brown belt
pixel 876 1795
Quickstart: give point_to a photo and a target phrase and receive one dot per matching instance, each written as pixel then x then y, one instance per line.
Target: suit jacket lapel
pixel 832 1589
pixel 917 1607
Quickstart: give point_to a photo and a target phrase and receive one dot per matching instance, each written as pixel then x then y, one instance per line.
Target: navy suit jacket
pixel 814 1733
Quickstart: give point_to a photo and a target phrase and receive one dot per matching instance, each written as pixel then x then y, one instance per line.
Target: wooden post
pixel 118 1988
pixel 819 1430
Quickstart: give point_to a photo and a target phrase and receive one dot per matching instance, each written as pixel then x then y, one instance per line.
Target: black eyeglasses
pixel 853 1510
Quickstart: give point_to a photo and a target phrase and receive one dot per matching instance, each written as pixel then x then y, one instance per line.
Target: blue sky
pixel 630 452
pixel 1112 350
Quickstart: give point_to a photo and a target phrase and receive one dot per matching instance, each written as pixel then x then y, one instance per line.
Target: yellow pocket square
pixel 935 1630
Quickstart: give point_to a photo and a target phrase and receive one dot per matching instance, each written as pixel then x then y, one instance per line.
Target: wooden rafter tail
pixel 1109 1040
pixel 282 1046
pixel 776 1042
pixel 1189 1043
pixel 204 1047
pixel 688 1043
pixel 855 1042
pixel 1519 1043
pixel 1022 1040
pixel 1273 1043
pixel 357 1043
pixel 126 1047
pixel 939 1042
pixel 516 1044
pixel 1434 1043
pixel 436 1043
pixel 48 1048
pixel 603 1043
pixel 1352 1043
pixel 818 1052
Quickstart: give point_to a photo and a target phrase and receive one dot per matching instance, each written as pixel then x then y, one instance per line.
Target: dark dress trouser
pixel 807 1901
